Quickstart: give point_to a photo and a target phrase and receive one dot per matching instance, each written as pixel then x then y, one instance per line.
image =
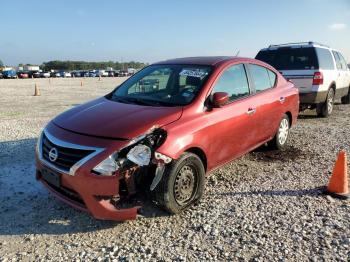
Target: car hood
pixel 109 119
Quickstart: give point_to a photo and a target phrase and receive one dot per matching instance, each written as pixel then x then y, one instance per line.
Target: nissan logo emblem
pixel 53 154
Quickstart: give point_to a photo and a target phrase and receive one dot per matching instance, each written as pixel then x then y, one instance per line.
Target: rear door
pixel 340 81
pixel 268 101
pixel 345 75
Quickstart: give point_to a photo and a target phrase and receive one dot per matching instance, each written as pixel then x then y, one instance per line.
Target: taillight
pixel 318 78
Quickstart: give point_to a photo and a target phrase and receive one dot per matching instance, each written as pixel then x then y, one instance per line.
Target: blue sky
pixel 151 30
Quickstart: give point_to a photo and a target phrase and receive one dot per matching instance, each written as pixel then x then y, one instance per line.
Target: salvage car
pixel 161 142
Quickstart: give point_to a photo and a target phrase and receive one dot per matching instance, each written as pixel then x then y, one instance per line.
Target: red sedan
pixel 163 130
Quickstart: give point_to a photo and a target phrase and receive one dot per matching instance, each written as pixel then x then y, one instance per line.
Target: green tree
pixel 1 64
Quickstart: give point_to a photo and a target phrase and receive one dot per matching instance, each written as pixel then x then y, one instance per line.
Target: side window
pixel 325 58
pixel 343 62
pixel 337 60
pixel 273 77
pixel 234 82
pixel 261 78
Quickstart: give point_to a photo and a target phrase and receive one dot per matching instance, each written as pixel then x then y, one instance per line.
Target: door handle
pixel 251 111
pixel 282 99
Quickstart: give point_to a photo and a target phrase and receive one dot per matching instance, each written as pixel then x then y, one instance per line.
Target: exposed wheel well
pixel 200 153
pixel 333 86
pixel 289 114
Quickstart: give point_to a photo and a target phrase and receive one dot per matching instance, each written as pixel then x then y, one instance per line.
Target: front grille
pixel 69 193
pixel 67 156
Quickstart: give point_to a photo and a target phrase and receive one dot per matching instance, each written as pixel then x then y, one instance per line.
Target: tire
pixel 180 173
pixel 346 99
pixel 325 109
pixel 280 139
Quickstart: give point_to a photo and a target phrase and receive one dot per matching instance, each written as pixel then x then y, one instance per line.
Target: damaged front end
pixel 138 165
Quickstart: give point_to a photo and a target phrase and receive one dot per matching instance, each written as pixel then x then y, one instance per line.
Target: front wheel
pixel 182 183
pixel 280 139
pixel 326 108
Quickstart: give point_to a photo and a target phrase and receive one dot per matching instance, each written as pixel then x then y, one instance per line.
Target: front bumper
pixel 88 193
pixel 82 189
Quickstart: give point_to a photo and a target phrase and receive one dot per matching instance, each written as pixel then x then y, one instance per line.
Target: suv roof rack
pixel 299 43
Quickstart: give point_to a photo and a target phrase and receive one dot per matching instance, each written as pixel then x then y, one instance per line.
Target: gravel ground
pixel 265 206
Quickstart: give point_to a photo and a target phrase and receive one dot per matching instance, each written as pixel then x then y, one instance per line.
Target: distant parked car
pixel 102 73
pixel 9 74
pixel 23 74
pixel 123 73
pixel 65 74
pixel 76 74
pixel 55 74
pixel 84 74
pixel 45 74
pixel 36 74
pixel 111 73
pixel 1 76
pixel 320 72
pixel 93 74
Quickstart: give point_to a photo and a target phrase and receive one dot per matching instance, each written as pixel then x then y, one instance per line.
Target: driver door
pixel 232 127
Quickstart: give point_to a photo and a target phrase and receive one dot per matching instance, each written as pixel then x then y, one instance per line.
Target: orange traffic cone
pixel 37 90
pixel 81 83
pixel 338 183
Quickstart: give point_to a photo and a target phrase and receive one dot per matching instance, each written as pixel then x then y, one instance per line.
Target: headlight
pixel 140 155
pixel 38 144
pixel 108 166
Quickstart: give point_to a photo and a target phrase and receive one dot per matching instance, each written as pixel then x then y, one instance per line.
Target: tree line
pixel 83 65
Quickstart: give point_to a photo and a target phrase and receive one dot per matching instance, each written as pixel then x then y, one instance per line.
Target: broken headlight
pixel 140 155
pixel 108 166
pixel 139 151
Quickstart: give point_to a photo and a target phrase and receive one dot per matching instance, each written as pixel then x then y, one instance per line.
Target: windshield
pixel 162 85
pixel 290 58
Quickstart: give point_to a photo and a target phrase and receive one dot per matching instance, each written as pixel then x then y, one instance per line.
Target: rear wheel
pixel 326 108
pixel 182 183
pixel 346 99
pixel 282 135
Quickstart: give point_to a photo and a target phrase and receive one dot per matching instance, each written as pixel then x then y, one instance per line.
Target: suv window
pixel 342 61
pixel 263 78
pixel 234 82
pixel 325 59
pixel 288 58
pixel 337 60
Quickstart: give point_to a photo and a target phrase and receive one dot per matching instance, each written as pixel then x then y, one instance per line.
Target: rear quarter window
pixel 325 59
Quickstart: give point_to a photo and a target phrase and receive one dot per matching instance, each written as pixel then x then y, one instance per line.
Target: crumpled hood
pixel 105 118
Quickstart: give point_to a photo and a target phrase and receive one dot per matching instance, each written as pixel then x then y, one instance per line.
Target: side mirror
pixel 219 99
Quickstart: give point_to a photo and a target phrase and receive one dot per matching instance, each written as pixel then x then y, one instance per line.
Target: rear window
pixel 290 58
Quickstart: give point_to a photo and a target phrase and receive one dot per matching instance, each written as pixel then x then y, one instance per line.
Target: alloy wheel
pixel 283 131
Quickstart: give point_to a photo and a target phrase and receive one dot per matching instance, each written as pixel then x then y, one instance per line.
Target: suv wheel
pixel 182 183
pixel 325 109
pixel 346 99
pixel 281 137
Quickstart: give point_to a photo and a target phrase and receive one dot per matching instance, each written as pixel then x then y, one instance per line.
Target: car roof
pixel 298 45
pixel 203 60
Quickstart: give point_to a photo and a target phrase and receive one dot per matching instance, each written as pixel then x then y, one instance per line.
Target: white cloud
pixel 337 26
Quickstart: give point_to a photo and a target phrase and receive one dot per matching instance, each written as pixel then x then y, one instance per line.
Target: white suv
pixel 320 72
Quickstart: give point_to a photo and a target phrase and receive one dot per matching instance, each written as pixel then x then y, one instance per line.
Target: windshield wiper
pixel 133 100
